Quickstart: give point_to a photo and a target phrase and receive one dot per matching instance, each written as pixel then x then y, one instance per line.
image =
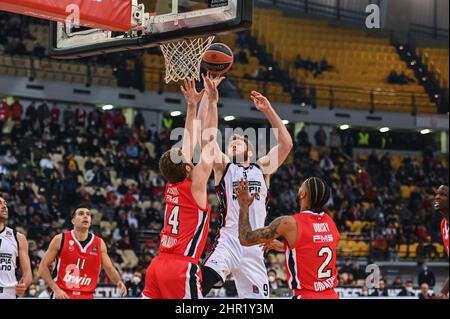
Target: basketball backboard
pixel 161 21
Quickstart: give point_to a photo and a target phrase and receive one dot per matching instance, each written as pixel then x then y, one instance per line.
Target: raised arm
pixel 192 99
pixel 284 226
pixel 221 159
pixel 44 267
pixel 111 271
pixel 25 266
pixel 278 154
pixel 203 169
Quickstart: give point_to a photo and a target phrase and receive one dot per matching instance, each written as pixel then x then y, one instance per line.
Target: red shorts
pixel 173 277
pixel 305 294
pixel 76 294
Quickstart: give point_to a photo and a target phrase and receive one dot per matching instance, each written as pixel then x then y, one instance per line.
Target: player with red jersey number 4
pixel 441 204
pixel 310 240
pixel 79 256
pixel 175 273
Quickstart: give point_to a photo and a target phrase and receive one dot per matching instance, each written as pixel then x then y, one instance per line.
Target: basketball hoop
pixel 183 58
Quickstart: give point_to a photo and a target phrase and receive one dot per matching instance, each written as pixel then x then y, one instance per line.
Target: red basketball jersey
pixel 186 224
pixel 444 231
pixel 78 268
pixel 311 262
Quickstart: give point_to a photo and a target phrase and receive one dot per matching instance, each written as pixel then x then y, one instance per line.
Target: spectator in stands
pixel 393 77
pixel 397 283
pixel 408 290
pixel 425 292
pixel 320 136
pixel 16 111
pixel 299 63
pixel 426 276
pixel 381 291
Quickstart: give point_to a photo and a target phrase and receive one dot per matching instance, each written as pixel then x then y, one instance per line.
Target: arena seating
pixel 362 64
pixel 437 61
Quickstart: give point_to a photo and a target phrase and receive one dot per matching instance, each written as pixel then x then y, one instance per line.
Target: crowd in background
pixel 119 178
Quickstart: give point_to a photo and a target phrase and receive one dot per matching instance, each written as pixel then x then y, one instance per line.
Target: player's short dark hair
pixel 173 172
pixel 319 193
pixel 77 208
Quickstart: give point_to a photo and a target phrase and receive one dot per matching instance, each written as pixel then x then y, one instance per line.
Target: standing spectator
pixel 16 111
pixel 43 112
pixel 139 120
pixel 320 137
pixel 425 292
pixel 55 113
pixel 80 117
pixel 31 112
pixel 408 290
pixel 426 276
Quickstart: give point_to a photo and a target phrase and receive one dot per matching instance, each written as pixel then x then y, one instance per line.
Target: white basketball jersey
pixel 9 252
pixel 228 203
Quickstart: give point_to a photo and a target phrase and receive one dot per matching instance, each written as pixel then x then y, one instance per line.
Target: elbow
pixel 289 145
pixel 244 242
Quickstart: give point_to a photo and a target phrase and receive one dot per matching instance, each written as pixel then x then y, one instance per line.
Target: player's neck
pixel 445 216
pixel 245 163
pixel 2 225
pixel 81 234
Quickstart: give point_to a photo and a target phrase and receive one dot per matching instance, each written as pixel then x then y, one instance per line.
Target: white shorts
pixel 8 293
pixel 246 265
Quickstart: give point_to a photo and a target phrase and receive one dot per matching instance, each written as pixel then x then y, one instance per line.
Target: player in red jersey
pixel 310 240
pixel 79 257
pixel 441 204
pixel 175 273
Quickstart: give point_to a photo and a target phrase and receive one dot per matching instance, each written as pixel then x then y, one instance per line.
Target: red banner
pixel 114 15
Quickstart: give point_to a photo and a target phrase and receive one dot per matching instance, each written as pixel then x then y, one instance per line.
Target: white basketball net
pixel 184 58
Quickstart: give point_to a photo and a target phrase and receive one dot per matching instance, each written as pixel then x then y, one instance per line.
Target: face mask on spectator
pixel 272 279
pixel 136 279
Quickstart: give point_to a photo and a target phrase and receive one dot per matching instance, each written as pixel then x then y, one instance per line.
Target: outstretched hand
pixel 211 84
pixel 262 104
pixel 244 198
pixel 192 96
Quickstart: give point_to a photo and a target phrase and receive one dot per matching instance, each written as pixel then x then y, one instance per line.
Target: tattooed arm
pixel 284 226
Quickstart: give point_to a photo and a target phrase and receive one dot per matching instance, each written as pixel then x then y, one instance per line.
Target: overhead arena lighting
pixel 384 129
pixel 344 127
pixel 425 131
pixel 107 107
pixel 229 118
pixel 285 122
pixel 175 113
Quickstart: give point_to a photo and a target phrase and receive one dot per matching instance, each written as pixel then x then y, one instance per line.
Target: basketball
pixel 218 59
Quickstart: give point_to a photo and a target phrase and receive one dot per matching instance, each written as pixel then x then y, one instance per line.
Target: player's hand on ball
pixel 190 92
pixel 273 245
pixel 211 87
pixel 243 196
pixel 262 104
pixel 21 288
pixel 123 289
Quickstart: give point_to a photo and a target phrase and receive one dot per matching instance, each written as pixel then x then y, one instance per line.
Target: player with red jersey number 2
pixel 310 240
pixel 441 204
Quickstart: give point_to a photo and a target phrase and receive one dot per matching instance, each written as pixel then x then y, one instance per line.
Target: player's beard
pixel 239 158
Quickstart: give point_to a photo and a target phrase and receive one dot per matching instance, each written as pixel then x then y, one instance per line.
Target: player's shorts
pixel 246 265
pixel 304 294
pixel 8 293
pixel 173 277
pixel 73 294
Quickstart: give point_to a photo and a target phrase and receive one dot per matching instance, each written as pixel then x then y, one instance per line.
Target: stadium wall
pixel 77 93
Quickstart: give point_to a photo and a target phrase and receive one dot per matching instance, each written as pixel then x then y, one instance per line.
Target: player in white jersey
pixel 229 256
pixel 13 246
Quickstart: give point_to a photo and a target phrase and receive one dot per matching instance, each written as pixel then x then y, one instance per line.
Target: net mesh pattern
pixel 183 58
